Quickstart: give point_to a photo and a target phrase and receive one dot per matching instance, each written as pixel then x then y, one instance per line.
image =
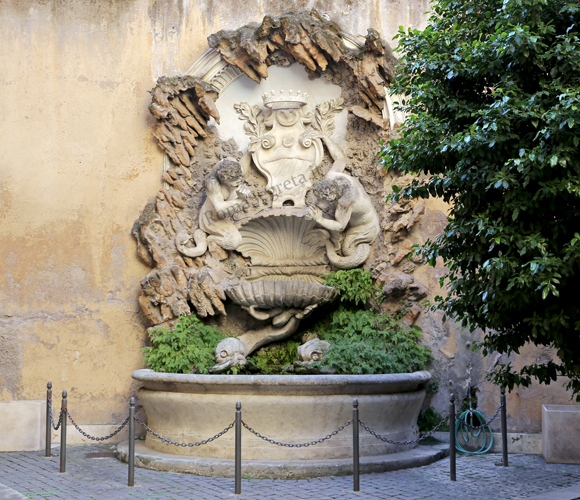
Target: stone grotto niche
pixel 270 182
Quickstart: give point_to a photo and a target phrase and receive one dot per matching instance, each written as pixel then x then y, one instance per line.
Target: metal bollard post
pixel 63 410
pixel 504 440
pixel 238 451
pixel 131 461
pixel 452 472
pixel 48 439
pixel 355 446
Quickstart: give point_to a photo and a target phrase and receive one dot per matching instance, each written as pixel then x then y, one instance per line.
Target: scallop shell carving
pixel 267 294
pixel 279 241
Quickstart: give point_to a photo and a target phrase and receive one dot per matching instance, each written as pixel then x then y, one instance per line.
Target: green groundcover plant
pixel 493 103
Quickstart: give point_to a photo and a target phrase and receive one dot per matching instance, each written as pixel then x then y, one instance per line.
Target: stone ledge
pixel 570 493
pixel 7 493
pixel 299 469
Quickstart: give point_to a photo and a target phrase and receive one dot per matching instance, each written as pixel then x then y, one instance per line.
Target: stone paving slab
pixel 478 478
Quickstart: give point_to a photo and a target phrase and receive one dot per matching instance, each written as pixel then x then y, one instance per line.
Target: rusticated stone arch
pixel 184 104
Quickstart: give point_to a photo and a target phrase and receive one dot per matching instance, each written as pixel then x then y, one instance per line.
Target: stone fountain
pixel 260 227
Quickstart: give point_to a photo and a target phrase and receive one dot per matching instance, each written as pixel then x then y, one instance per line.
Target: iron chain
pixel 176 443
pixel 104 438
pixel 486 424
pixel 299 445
pixel 55 427
pixel 414 441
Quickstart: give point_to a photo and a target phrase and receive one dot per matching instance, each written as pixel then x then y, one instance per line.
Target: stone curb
pixel 154 460
pixel 570 493
pixel 10 494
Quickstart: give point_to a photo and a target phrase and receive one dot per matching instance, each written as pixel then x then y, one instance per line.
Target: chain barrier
pixel 57 426
pixel 177 443
pixel 104 438
pixel 486 424
pixel 299 445
pixel 414 441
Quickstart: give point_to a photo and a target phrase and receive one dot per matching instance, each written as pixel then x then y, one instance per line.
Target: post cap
pixel 355 403
pixel 131 401
pixel 502 391
pixel 49 385
pixel 64 394
pixel 238 405
pixel 452 398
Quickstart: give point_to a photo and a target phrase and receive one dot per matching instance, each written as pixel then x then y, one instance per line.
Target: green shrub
pixel 274 358
pixel 187 348
pixel 365 342
pixel 429 419
pixel 353 285
pixel 362 341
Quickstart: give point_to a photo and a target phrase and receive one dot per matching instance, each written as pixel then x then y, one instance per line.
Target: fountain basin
pixel 286 408
pixel 270 294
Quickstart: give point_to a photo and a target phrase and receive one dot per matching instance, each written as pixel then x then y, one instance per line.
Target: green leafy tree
pixel 493 101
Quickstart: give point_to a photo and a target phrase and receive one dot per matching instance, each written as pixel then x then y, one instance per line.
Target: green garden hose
pixel 474 418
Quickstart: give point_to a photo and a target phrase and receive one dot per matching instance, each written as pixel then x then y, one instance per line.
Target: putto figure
pixel 226 195
pixel 354 214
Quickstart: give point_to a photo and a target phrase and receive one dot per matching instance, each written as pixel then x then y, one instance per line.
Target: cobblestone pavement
pixel 38 477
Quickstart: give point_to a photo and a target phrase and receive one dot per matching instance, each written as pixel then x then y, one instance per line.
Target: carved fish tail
pixel 200 247
pixel 354 260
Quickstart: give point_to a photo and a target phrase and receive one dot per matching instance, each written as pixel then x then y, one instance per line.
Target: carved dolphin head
pixel 229 352
pixel 313 350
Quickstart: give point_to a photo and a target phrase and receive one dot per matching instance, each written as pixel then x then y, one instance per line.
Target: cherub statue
pixel 226 195
pixel 354 214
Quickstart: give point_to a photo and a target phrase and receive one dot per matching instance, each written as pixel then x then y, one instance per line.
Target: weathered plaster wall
pixel 78 163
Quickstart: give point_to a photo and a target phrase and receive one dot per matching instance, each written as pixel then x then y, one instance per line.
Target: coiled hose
pixel 469 417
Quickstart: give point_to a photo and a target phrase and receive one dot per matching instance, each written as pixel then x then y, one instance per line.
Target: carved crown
pixel 284 99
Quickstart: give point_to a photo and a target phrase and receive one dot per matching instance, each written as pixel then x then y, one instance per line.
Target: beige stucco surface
pixel 77 165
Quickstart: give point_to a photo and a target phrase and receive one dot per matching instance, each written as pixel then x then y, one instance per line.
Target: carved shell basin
pixel 266 294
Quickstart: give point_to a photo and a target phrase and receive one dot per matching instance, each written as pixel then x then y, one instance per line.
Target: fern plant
pixel 189 347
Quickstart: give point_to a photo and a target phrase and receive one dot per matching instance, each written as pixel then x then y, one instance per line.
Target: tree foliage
pixel 493 101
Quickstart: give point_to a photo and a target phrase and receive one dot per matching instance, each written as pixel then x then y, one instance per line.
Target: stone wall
pixel 78 163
